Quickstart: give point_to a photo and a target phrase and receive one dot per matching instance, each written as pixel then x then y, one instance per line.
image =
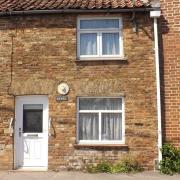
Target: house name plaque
pixel 61 98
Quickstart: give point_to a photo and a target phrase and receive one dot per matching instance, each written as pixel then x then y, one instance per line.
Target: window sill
pixel 101 59
pixel 93 146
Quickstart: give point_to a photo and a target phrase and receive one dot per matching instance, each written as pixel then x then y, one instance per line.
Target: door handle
pixel 11 126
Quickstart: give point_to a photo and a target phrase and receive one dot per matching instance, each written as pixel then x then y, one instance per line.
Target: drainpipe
pixel 155 15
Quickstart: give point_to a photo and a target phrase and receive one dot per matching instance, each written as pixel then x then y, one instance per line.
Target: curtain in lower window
pixel 88 126
pixel 111 126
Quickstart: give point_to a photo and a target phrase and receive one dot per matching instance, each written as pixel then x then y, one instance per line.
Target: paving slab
pixel 16 175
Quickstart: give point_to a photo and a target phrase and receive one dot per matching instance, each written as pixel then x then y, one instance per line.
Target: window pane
pixel 33 106
pixel 32 118
pixel 111 126
pixel 88 126
pixel 88 44
pixel 100 103
pixel 99 23
pixel 110 43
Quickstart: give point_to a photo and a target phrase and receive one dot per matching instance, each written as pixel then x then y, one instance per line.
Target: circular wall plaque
pixel 63 88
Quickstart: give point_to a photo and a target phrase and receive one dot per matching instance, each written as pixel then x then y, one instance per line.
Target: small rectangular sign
pixel 61 98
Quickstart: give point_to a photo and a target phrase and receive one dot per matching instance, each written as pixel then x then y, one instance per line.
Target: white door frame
pixel 31 99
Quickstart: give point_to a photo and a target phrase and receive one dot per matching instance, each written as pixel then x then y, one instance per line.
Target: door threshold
pixel 32 169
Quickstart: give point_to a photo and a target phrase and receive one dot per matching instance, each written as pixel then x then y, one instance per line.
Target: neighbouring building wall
pixel 171 70
pixel 38 52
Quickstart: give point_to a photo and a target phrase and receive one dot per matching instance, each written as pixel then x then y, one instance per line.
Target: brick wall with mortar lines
pixel 170 29
pixel 42 50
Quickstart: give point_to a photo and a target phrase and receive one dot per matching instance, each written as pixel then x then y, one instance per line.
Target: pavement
pixel 149 175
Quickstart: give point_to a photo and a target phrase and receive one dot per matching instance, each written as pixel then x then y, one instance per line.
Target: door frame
pixel 19 100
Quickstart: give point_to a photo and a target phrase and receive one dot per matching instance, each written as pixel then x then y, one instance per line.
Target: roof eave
pixel 79 11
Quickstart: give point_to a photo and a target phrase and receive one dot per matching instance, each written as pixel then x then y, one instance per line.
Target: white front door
pixel 31 132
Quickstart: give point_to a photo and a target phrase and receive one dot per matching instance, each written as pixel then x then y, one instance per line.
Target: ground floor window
pixel 100 120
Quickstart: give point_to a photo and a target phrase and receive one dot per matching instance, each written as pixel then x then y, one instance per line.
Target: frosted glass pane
pixel 100 104
pixel 33 106
pixel 88 44
pixel 99 23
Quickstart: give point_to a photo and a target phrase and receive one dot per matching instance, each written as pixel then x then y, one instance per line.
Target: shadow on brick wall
pixel 163 29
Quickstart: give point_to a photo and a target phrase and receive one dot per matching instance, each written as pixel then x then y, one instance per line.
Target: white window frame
pixel 99 32
pixel 99 120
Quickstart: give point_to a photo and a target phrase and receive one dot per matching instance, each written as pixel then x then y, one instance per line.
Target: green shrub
pixel 125 166
pixel 103 167
pixel 170 163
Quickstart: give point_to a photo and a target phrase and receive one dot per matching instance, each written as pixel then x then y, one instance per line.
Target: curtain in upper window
pixel 99 38
pixel 110 43
pixel 88 44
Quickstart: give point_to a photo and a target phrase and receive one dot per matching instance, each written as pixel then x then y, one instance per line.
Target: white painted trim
pixel 99 112
pixel 35 99
pixel 102 58
pixel 86 17
pixel 155 14
pixel 99 120
pixel 158 89
pixel 115 97
pixel 123 120
pixel 100 142
pixel 99 32
pixel 77 120
pixel 99 46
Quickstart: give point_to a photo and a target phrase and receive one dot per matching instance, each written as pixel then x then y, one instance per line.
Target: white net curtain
pixel 102 28
pixel 110 122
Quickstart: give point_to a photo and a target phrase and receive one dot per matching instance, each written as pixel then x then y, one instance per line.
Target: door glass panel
pixel 32 118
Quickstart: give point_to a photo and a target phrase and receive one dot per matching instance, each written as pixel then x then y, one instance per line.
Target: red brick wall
pixel 171 67
pixel 44 53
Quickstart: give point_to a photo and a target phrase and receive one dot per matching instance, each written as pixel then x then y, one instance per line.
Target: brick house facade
pixel 39 51
pixel 170 30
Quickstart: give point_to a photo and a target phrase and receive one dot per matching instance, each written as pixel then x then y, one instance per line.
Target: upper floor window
pixel 100 38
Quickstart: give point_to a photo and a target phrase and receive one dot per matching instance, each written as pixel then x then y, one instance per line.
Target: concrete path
pixel 6 175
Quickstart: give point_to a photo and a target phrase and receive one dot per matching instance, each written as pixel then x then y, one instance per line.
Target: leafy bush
pixel 128 165
pixel 125 166
pixel 104 167
pixel 170 163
